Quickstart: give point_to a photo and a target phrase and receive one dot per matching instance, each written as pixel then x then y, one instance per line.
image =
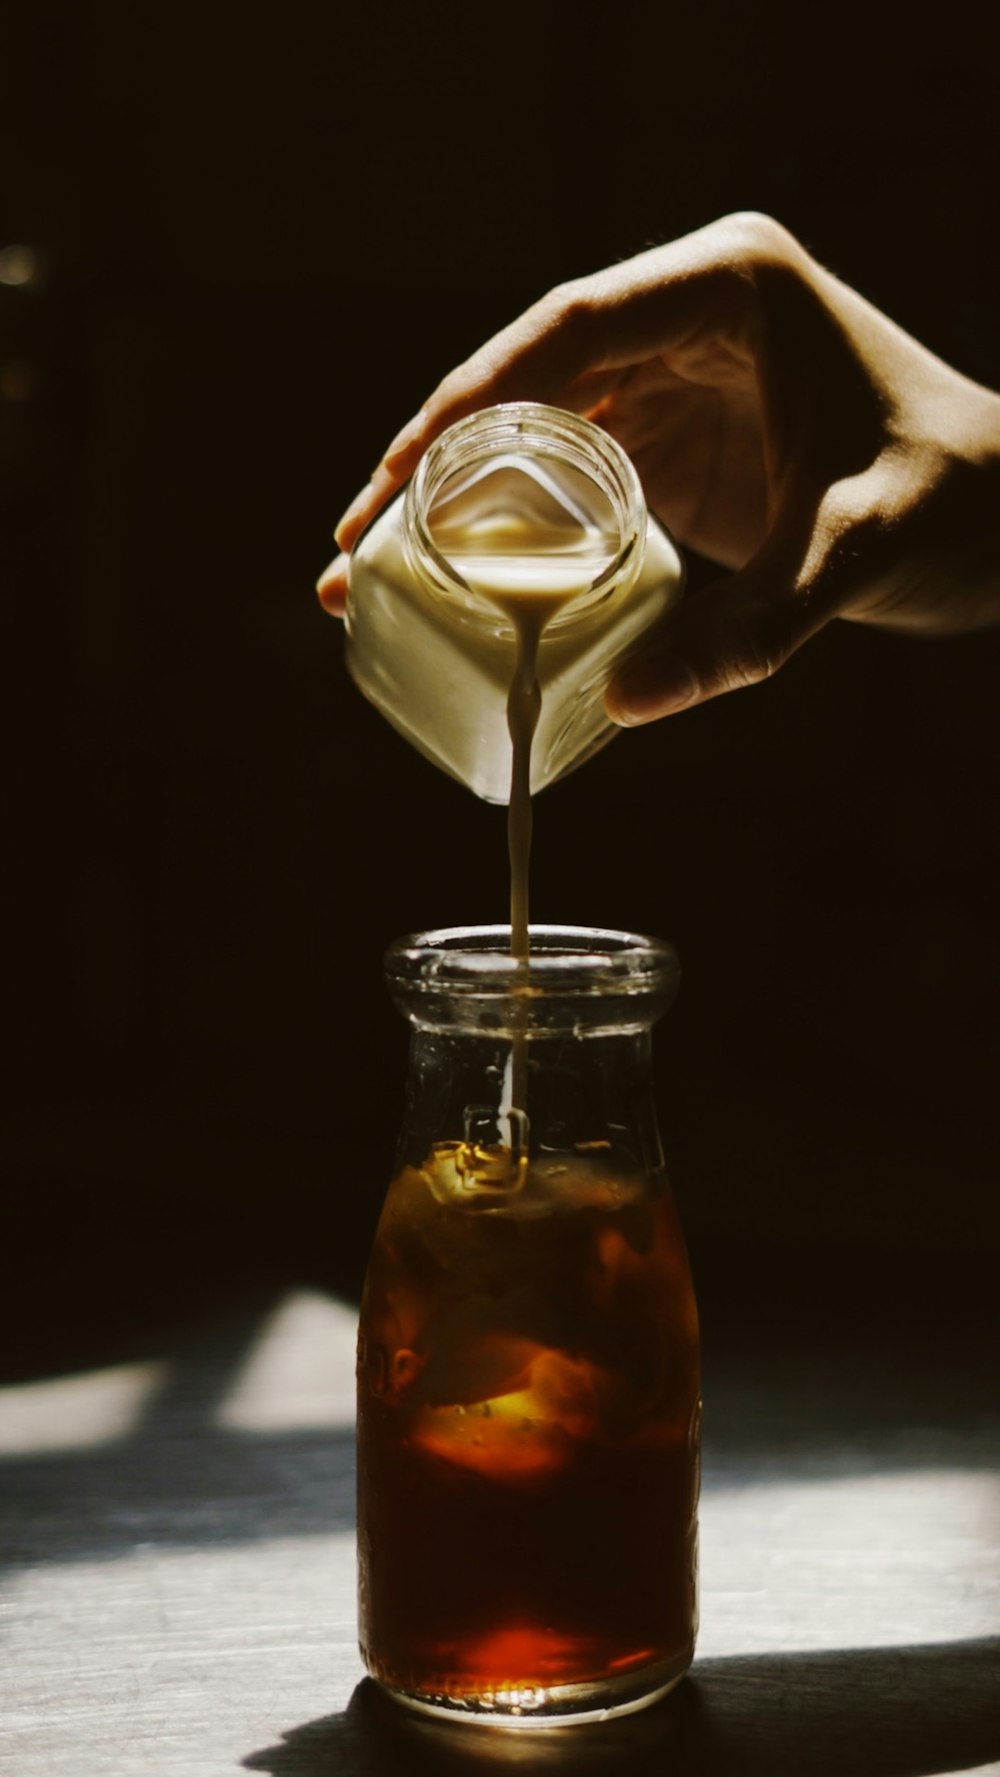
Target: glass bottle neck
pixel 516 1065
pixel 589 1097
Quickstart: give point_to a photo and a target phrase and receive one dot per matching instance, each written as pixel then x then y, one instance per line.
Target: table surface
pixel 177 1569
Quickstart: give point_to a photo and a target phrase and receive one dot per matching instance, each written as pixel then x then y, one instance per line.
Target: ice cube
pixel 521 1434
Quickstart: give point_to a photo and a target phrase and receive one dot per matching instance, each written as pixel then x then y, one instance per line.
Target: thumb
pixel 736 632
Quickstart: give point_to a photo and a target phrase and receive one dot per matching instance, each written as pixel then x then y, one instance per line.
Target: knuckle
pixel 570 323
pixel 770 630
pixel 753 660
pixel 855 524
pixel 570 306
pixel 750 645
pixel 754 238
pixel 758 266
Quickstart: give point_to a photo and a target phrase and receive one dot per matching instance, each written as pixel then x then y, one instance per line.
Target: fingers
pixel 722 639
pixel 359 514
pixel 736 632
pixel 331 587
pixel 569 348
pixel 462 393
pixel 534 359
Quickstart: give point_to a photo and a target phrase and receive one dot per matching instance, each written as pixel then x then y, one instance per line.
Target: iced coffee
pixel 528 1433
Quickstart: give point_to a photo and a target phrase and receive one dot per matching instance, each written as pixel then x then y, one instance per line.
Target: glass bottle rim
pixel 530 426
pixel 566 962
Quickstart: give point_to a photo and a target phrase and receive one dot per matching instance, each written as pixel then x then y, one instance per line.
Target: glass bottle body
pixel 528 1385
pixel 517 502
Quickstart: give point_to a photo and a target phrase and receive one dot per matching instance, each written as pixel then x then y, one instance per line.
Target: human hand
pixel 780 425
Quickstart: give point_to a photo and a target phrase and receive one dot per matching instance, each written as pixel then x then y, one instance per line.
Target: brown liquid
pixel 528 1388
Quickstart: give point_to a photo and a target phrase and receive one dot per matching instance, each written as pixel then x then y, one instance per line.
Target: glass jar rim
pixel 565 961
pixel 512 424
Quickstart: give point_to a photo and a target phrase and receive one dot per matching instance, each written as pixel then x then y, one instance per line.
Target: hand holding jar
pixel 780 425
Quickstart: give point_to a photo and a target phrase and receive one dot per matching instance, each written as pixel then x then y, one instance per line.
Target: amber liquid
pixel 528 1405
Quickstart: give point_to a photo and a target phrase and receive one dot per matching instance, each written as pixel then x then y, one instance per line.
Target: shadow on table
pixel 177 1477
pixel 876 1712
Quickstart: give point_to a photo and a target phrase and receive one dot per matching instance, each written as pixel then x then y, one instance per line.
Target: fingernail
pixel 337 570
pixel 403 439
pixel 647 692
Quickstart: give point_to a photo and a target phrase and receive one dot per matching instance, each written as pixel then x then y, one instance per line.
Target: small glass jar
pixel 528 1371
pixel 517 500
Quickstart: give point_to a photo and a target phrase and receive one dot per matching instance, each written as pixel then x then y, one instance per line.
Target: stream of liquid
pixel 529 564
pixel 530 586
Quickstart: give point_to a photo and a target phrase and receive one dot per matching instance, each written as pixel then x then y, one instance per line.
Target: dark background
pixel 261 237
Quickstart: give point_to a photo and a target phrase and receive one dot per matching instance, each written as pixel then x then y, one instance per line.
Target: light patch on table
pixel 174 1660
pixel 76 1412
pixel 877 1560
pixel 188 1660
pixel 300 1373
